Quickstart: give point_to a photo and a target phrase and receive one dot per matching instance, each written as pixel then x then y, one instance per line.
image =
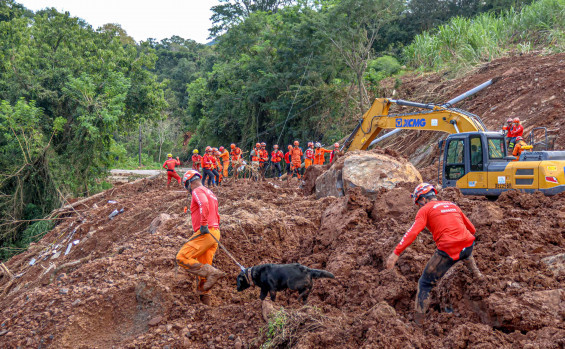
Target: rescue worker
pixel 276 158
pixel 507 129
pixel 207 163
pixel 287 158
pixel 309 155
pixel 520 146
pixel 333 155
pixel 169 165
pixel 197 254
pixel 236 159
pixel 263 159
pixel 295 160
pixel 196 160
pixel 255 157
pixel 319 157
pixel 217 168
pixel 453 234
pixel 517 131
pixel 225 157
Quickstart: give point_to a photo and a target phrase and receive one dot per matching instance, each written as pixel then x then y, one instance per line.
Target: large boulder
pixel 368 170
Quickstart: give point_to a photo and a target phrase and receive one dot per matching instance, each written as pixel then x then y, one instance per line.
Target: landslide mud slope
pixel 124 290
pixel 531 87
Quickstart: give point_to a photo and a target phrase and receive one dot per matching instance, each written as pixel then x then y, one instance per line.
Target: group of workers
pixel 514 137
pixel 215 162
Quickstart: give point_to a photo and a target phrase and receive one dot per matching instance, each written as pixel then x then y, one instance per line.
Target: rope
pixel 296 95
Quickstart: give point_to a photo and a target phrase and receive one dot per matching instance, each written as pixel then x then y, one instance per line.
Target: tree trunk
pixel 361 97
pixel 160 146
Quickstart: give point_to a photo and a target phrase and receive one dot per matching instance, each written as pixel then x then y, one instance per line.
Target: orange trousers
pixel 226 165
pixel 307 163
pixel 199 250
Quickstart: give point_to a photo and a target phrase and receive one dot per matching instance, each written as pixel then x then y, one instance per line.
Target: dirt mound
pixel 119 285
pixel 531 87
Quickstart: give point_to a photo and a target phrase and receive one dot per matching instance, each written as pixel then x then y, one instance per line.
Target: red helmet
pixel 517 120
pixel 275 146
pixel 422 189
pixel 222 148
pixel 519 138
pixel 208 148
pixel 289 147
pixel 336 145
pixel 232 146
pixel 310 143
pixel 509 120
pixel 257 145
pixel 296 143
pixel 189 176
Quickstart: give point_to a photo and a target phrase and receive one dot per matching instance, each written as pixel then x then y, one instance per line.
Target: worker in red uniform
pixel 236 160
pixel 517 131
pixel 319 154
pixel 263 159
pixel 169 165
pixel 333 155
pixel 276 158
pixel 295 160
pixel 207 166
pixel 197 254
pixel 196 160
pixel 507 129
pixel 287 158
pixel 520 146
pixel 453 234
pixel 309 155
pixel 225 158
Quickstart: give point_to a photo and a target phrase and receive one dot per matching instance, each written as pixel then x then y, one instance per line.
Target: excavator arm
pixel 435 118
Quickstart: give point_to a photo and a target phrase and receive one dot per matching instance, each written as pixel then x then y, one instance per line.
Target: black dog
pixel 276 277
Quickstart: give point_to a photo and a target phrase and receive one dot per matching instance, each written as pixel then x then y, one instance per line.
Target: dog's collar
pixel 249 277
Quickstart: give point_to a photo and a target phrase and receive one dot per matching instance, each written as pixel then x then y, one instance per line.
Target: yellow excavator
pixel 474 159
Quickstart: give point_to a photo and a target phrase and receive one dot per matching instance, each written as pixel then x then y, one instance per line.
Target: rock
pixel 555 263
pixel 64 291
pixel 486 214
pixel 157 222
pixel 383 310
pixel 368 170
pixel 169 328
pixel 238 344
pixel 231 337
pixel 139 269
pixel 3 332
pixel 267 308
pixel 155 321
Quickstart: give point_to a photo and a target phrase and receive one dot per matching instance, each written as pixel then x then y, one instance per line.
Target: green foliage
pixel 379 69
pixel 275 328
pixel 464 42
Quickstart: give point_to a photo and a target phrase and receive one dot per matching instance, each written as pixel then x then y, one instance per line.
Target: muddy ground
pixel 119 286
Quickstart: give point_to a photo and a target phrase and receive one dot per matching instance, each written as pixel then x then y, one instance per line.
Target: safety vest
pixel 264 155
pixel 296 155
pixel 255 154
pixel 236 154
pixel 276 156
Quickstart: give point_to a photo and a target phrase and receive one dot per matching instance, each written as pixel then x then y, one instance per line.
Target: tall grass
pixel 468 41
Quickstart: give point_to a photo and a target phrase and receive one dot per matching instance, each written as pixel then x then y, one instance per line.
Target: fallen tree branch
pixel 67 265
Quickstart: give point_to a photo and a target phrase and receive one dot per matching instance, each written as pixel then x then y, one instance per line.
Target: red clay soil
pixel 531 87
pixel 125 291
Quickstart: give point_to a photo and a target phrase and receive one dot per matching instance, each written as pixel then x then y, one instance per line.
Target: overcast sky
pixel 141 19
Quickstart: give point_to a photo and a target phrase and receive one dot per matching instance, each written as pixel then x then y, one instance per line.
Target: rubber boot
pixel 211 274
pixel 472 266
pixel 206 299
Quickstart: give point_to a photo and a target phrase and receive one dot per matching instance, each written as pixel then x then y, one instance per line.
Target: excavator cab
pixel 469 156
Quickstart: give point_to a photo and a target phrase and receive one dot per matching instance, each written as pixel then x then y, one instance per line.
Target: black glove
pixel 204 229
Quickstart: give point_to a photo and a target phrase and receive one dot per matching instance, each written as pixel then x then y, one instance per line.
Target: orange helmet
pixel 289 147
pixel 232 146
pixel 257 145
pixel 519 138
pixel 189 176
pixel 296 143
pixel 222 148
pixel 336 145
pixel 275 146
pixel 516 120
pixel 214 149
pixel 422 189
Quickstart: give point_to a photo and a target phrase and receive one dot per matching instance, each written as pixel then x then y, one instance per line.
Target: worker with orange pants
pixel 225 158
pixel 236 160
pixel 520 146
pixel 453 233
pixel 333 155
pixel 295 160
pixel 319 157
pixel 276 158
pixel 169 165
pixel 197 254
pixel 196 160
pixel 287 158
pixel 309 155
pixel 217 167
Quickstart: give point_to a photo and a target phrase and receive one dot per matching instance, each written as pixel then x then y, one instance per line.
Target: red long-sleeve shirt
pixel 287 157
pixel 452 231
pixel 517 130
pixel 204 209
pixel 309 154
pixel 171 163
pixel 208 161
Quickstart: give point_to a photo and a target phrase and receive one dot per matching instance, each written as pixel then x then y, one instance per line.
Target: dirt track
pixel 124 289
